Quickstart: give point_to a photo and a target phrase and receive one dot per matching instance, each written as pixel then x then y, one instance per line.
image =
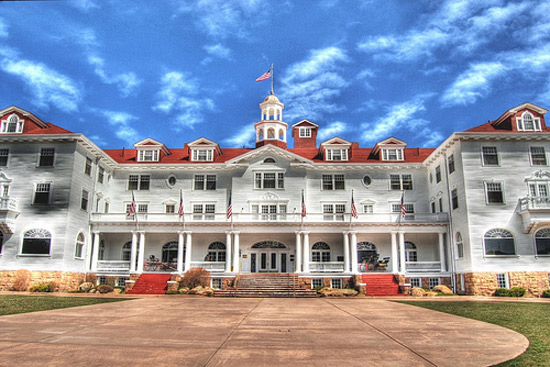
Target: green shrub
pixel 318 288
pixel 517 292
pixel 546 293
pixel 172 292
pixel 104 288
pixel 43 287
pixel 195 277
pixel 502 292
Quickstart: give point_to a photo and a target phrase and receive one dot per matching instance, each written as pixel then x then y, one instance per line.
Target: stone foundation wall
pixel 446 281
pixel 305 283
pixel 64 281
pixel 485 284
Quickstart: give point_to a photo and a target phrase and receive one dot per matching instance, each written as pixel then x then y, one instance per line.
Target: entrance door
pixel 253 263
pixel 283 262
pixel 268 261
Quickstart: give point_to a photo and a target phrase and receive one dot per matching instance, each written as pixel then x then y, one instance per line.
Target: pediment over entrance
pixel 269 244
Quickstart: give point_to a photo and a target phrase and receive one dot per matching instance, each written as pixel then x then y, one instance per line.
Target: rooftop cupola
pixel 271 129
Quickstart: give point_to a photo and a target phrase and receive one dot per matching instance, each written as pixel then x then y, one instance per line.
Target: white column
pixel 298 259
pixel 180 252
pixel 353 241
pixel 133 252
pixel 346 252
pixel 394 253
pixel 402 268
pixel 228 251
pixel 306 252
pixel 188 246
pixel 236 253
pixel 442 252
pixel 141 254
pixel 95 255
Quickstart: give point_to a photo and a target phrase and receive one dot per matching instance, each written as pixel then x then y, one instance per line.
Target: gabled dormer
pixel 203 150
pixel 150 150
pixel 525 117
pixel 12 121
pixel 391 149
pixel 305 134
pixel 336 149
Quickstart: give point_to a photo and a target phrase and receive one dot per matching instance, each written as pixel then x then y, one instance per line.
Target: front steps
pixel 267 285
pixel 151 284
pixel 380 285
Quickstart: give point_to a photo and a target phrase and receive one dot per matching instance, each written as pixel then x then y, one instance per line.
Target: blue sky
pixel 120 71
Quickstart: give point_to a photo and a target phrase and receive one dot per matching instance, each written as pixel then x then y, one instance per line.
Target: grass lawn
pixel 20 304
pixel 529 319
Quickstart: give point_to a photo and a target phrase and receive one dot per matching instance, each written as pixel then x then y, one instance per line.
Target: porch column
pixel 306 252
pixel 298 259
pixel 188 245
pixel 394 253
pixel 236 253
pixel 228 251
pixel 346 252
pixel 353 240
pixel 442 253
pixel 95 255
pixel 402 268
pixel 133 252
pixel 141 254
pixel 180 252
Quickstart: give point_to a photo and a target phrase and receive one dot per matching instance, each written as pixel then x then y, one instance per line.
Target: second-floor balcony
pixel 217 218
pixel 8 214
pixel 533 210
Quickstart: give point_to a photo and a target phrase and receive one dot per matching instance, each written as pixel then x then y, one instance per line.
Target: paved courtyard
pixel 195 331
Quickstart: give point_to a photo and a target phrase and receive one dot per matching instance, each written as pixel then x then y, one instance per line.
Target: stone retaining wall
pixel 64 281
pixel 485 284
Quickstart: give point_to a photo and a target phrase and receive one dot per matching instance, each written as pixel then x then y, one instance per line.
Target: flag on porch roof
pixel 229 207
pixel 403 209
pixel 265 75
pixel 353 208
pixel 132 207
pixel 180 209
pixel 304 212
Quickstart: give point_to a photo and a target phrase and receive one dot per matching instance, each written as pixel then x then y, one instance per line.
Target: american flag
pixel 304 213
pixel 265 75
pixel 132 207
pixel 229 208
pixel 353 208
pixel 180 209
pixel 403 209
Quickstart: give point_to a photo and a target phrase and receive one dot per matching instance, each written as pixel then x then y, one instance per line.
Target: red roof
pixel 32 129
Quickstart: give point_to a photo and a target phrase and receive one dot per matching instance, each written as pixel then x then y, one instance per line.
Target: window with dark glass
pixel 538 156
pixel 100 174
pixel 542 241
pixel 333 182
pixel 4 154
pixel 490 156
pixel 438 174
pixel 205 182
pixel 88 167
pixel 42 193
pixel 84 200
pixel 451 163
pixel 454 198
pixel 137 182
pixel 36 242
pixel 401 182
pixel 46 157
pixel 495 194
pixel 499 242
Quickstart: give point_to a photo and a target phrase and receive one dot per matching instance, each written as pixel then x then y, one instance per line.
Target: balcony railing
pixel 326 267
pixel 533 203
pixel 113 266
pixel 423 266
pixel 209 265
pixel 8 204
pixel 275 218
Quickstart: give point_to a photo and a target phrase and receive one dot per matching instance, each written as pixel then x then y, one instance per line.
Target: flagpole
pixel 272 77
pixel 351 211
pixel 182 212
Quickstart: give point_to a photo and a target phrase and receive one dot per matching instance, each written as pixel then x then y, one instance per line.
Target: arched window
pixel 170 252
pixel 366 251
pixel 459 246
pixel 12 125
pixel 1 241
pixel 410 252
pixel 271 114
pixel 269 160
pixel 79 247
pixel 542 241
pixel 36 242
pixel 127 251
pixel 499 242
pixel 216 252
pixel 528 123
pixel 320 252
pixel 281 134
pixel 261 135
pixel 269 244
pixel 271 133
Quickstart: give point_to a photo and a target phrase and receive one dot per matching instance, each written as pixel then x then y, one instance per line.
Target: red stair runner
pixel 381 285
pixel 151 284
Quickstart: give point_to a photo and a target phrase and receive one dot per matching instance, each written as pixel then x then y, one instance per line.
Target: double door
pixel 268 261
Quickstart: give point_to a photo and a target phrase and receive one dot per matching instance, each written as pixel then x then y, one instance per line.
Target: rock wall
pixel 64 281
pixel 485 284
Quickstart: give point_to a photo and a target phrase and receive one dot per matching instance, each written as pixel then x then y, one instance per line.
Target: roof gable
pixel 304 123
pixel 267 150
pixel 336 141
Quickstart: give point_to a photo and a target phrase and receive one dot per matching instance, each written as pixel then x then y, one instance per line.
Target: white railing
pixel 530 203
pixel 423 266
pixel 327 267
pixel 217 218
pixel 113 266
pixel 8 204
pixel 209 265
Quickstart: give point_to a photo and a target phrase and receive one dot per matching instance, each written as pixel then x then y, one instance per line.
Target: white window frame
pixel 401 180
pixel 305 132
pixel 100 174
pixel 202 155
pixel 88 166
pixel 5 152
pixel 487 185
pixel 515 254
pixel 170 208
pixel 520 121
pixel 79 245
pixel 459 246
pixel 42 230
pixel 148 155
pixel 316 280
pixel 416 280
pixel 543 153
pixel 40 156
pixel 85 196
pixel 395 207
pixel 438 174
pixel 503 280
pixel 259 183
pixel 206 178
pixel 269 211
pixel 451 163
pixel 207 210
pixel 216 283
pixel 338 282
pixel 50 183
pixel 140 181
pixel 333 181
pixel 434 282
pixel 332 154
pixel 489 154
pixel 9 120
pixel 393 154
pixel 454 199
pixel 334 211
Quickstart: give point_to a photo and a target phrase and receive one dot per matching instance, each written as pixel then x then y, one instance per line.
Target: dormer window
pixel 148 155
pixel 12 125
pixel 305 132
pixel 528 123
pixel 336 154
pixel 393 154
pixel 203 155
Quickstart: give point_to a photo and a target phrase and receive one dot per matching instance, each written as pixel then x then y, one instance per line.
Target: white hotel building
pixel 477 207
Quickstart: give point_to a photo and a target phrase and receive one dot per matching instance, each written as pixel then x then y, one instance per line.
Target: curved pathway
pixel 195 331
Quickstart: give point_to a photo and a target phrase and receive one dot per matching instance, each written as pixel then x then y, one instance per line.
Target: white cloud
pixel 319 61
pixel 48 87
pixel 3 28
pixel 331 130
pixel 244 137
pixel 474 83
pixel 218 51
pixel 178 95
pixel 122 122
pixel 126 83
pixel 85 5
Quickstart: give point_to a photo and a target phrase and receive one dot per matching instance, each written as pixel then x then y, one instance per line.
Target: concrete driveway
pixel 196 331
